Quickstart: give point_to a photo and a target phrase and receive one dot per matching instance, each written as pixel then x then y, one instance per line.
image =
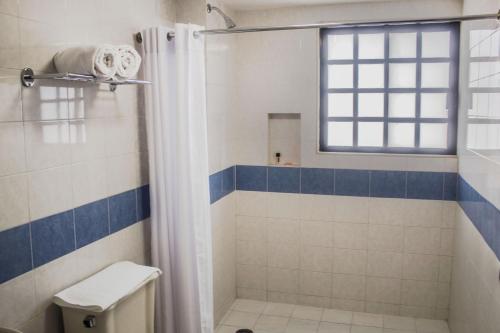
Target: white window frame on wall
pixel 451 90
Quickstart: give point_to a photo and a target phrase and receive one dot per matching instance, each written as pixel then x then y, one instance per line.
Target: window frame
pixel 452 90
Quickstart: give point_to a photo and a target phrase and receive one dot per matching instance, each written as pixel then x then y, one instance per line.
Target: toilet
pixel 118 299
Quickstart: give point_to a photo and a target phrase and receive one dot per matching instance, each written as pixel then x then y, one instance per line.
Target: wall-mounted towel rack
pixel 28 78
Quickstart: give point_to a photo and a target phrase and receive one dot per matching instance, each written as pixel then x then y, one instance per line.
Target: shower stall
pixel 350 241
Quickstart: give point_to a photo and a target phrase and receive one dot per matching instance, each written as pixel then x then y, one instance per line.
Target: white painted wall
pixel 277 72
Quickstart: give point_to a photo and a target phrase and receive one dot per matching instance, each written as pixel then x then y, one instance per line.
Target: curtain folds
pixel 178 165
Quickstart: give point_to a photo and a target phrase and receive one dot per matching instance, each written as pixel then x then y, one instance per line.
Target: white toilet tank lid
pixel 104 289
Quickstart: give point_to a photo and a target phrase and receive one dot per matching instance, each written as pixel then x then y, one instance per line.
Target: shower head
pixel 229 22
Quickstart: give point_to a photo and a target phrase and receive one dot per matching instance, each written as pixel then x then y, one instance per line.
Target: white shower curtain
pixel 178 162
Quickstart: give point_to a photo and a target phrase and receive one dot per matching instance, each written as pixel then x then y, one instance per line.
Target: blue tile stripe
pixel 28 246
pixel 34 244
pixel 482 213
pixel 369 183
pixel 348 182
pixel 222 183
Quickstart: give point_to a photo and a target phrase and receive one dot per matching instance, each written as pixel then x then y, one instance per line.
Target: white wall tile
pixel 248 293
pixel 347 304
pixel 88 139
pixel 384 264
pixel 315 283
pixel 250 203
pixel 349 287
pixel 447 238
pixel 419 293
pixel 121 135
pixel 10 7
pixel 350 236
pixel 54 277
pixel 445 265
pixel 279 297
pixel 421 267
pixel 14 208
pixel 317 207
pixel 283 255
pixel 383 290
pixel 422 240
pixel 449 214
pixel 283 280
pixel 251 253
pixel 122 173
pixel 45 102
pixel 89 181
pixel 385 237
pixel 22 290
pixel 283 205
pixel 282 230
pixel 251 276
pixel 316 258
pixel 50 192
pixel 351 209
pixel 10 94
pixel 426 213
pixel 12 155
pixel 417 311
pixel 316 233
pixel 251 228
pixel 47 144
pixel 388 211
pixel 348 261
pixel 382 308
pixel 10 55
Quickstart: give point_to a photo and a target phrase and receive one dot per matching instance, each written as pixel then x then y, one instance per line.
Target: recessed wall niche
pixel 284 139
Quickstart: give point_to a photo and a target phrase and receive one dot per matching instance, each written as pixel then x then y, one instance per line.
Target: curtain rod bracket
pixel 138 38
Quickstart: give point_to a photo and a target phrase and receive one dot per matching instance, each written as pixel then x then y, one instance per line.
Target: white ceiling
pixel 268 4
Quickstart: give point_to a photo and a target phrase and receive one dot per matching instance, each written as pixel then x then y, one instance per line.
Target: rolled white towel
pixel 129 62
pixel 100 61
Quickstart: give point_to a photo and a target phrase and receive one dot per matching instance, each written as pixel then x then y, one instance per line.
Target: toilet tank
pixel 118 299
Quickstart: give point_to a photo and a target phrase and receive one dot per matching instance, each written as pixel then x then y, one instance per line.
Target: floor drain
pixel 244 330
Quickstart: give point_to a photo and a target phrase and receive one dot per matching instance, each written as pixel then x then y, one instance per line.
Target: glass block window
pixel 389 89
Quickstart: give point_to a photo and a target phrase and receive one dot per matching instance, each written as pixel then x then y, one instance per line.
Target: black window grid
pixel 451 90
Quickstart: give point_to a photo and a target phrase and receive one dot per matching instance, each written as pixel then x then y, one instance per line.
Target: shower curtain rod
pixel 496 16
pixel 348 24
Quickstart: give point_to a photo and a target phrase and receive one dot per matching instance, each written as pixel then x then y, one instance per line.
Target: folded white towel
pixel 100 61
pixel 128 63
pixel 104 289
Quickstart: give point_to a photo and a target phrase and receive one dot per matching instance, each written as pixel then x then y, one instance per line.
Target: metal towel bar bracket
pixel 28 78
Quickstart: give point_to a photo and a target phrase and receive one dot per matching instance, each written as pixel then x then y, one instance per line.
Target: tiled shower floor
pixel 264 317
